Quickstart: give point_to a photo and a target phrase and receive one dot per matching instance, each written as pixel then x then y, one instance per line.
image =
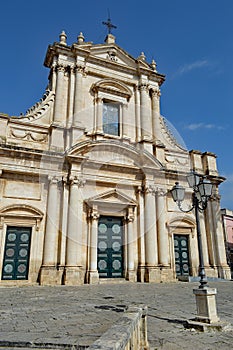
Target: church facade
pixel 85 177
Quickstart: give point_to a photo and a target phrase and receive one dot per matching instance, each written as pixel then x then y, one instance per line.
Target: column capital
pixel 143 87
pixel 54 179
pixel 130 215
pixel 155 93
pixel 150 189
pixel 94 215
pixel 161 192
pixel 79 69
pixel 60 68
pixel 98 100
pixel 215 197
pixel 77 180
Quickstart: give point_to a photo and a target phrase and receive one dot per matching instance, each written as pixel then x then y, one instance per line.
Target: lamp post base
pixel 207 319
pixel 206 305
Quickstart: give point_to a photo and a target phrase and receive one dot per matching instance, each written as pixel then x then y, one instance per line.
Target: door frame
pixel 11 227
pixel 119 219
pixel 188 251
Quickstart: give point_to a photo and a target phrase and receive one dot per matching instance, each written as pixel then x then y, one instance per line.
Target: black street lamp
pixel 202 190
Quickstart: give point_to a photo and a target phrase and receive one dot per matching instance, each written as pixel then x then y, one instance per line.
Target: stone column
pixel 124 127
pixel 93 275
pixel 71 96
pixel 78 95
pixel 141 237
pixel 99 115
pixel 151 249
pixel 58 106
pixel 210 237
pixel 146 125
pixel 223 268
pixel 49 273
pixel 156 127
pixel 74 273
pixel 137 115
pixel 163 249
pixel 53 77
pixel 131 273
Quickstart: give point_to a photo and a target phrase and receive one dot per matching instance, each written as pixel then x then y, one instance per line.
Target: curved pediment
pixel 115 153
pixel 21 210
pixel 113 87
pixel 184 221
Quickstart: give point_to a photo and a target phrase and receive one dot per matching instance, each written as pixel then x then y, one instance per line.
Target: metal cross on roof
pixel 109 25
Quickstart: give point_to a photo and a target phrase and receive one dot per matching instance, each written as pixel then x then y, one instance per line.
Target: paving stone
pixel 79 315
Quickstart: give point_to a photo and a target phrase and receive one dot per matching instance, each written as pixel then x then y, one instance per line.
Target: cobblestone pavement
pixel 79 315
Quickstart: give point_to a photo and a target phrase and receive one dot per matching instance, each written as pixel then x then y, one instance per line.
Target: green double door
pixel 110 247
pixel 17 253
pixel 181 247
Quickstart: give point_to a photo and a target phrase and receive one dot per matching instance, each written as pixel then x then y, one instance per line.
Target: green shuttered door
pixel 17 252
pixel 181 247
pixel 110 247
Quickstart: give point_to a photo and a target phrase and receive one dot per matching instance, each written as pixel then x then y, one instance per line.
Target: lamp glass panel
pixel 205 188
pixel 178 193
pixel 193 179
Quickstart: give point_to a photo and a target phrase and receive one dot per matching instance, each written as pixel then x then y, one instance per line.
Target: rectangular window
pixel 111 114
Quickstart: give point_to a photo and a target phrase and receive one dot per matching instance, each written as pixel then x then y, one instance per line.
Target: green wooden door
pixel 17 253
pixel 181 246
pixel 110 247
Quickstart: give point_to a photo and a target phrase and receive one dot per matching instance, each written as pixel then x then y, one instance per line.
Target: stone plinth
pixel 207 319
pixel 206 305
pixel 73 276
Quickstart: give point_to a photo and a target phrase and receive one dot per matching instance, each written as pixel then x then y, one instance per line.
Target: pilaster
pixel 73 273
pixel 93 275
pixel 49 273
pixel 131 272
pixel 151 249
pixel 78 93
pixel 155 97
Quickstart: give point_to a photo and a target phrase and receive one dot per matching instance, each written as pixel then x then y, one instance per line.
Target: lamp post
pixel 202 190
pixel 205 296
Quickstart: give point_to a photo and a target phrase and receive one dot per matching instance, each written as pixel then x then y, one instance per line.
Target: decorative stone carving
pixel 60 68
pixel 81 70
pixel 76 180
pixel 112 55
pixel 22 134
pixel 143 87
pixel 94 214
pixel 150 189
pixel 161 192
pixel 155 93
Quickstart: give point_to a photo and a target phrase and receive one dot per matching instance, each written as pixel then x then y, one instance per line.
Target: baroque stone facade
pixel 86 174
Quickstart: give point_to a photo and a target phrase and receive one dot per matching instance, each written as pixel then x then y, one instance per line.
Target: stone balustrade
pixel 130 332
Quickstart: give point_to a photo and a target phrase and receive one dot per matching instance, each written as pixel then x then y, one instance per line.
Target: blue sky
pixel 191 42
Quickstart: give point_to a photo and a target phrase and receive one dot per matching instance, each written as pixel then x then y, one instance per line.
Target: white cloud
pixel 196 126
pixel 191 66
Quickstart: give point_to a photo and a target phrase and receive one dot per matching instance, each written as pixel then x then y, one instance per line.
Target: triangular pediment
pixel 112 197
pixel 115 54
